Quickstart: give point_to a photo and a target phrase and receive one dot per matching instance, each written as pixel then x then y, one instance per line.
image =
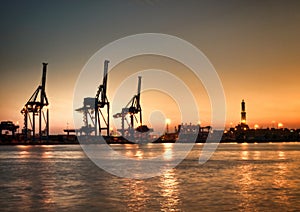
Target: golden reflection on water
pixel 256 155
pixel 23 146
pixel 281 155
pixel 165 193
pixel 48 195
pixel 255 179
pixel 133 151
pixel 168 151
pixel 280 183
pixel 24 151
pixel 139 154
pixel 24 154
pixel 145 152
pixel 280 180
pixel 246 183
pixel 245 155
pixel 138 195
pixel 169 191
pixel 47 154
pixel 271 178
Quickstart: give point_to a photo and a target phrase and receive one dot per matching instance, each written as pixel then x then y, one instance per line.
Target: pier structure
pixel 94 119
pixel 37 108
pixel 8 126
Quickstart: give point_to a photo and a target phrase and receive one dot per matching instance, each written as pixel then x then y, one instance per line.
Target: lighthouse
pixel 243 112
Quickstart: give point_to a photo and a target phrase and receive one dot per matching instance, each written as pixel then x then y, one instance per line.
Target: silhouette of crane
pixel 34 107
pixel 101 103
pixel 93 109
pixel 132 109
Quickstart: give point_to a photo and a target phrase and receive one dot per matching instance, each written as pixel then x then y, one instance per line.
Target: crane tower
pixel 35 108
pixel 94 118
pixel 132 109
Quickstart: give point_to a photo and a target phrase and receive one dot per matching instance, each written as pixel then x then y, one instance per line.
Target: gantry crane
pixel 92 109
pixel 35 107
pixel 132 109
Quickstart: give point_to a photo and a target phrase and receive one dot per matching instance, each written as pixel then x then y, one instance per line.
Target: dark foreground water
pixel 253 177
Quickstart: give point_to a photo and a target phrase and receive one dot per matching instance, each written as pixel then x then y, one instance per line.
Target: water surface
pixel 239 177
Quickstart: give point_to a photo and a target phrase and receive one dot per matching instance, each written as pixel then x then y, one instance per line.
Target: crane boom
pixel 43 96
pixel 44 75
pixel 138 93
pixel 102 88
pixel 101 102
pixel 104 83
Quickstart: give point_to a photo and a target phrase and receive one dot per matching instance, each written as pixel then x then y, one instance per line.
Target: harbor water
pixel 238 177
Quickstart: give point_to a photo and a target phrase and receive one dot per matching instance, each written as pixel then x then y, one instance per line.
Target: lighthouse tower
pixel 243 112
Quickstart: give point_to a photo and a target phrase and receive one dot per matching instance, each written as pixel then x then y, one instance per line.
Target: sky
pixel 253 45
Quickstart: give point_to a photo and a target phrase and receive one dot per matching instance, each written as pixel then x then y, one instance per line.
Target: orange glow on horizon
pixel 261 107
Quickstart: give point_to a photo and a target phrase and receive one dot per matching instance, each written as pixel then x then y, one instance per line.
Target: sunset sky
pixel 253 45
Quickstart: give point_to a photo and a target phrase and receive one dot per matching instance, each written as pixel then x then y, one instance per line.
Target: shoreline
pixel 236 136
pixel 132 143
